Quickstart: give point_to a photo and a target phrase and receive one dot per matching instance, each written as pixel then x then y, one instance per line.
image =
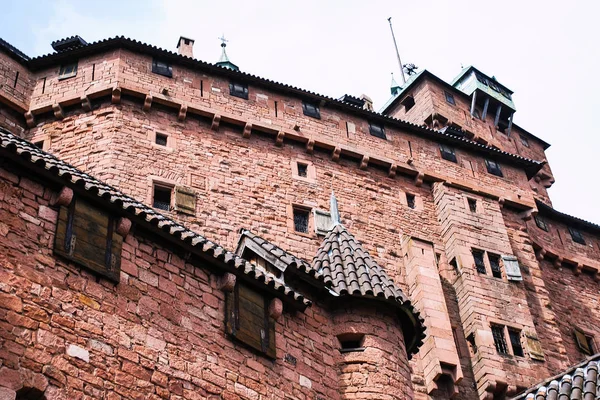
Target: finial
pixel 394 87
pixel 333 210
pixel 223 40
pixel 224 60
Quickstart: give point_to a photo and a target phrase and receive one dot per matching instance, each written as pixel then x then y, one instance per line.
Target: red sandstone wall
pixel 13 88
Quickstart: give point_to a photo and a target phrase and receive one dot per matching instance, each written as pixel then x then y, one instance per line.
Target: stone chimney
pixel 186 47
pixel 368 105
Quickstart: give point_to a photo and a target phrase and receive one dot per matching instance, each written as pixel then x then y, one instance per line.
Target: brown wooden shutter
pixel 248 321
pixel 185 200
pixel 582 341
pixel 534 347
pixel 87 236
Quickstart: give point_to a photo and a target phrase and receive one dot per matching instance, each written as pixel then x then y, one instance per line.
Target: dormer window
pixel 162 68
pixel 377 130
pixel 311 110
pixel 238 89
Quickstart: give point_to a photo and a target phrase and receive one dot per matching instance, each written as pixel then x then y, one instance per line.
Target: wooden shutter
pixel 322 222
pixel 534 347
pixel 87 236
pixel 582 341
pixel 185 200
pixel 248 321
pixel 511 266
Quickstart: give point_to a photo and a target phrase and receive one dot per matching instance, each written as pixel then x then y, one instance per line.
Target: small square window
pixel 449 98
pixel 515 341
pixel 539 221
pixel 524 141
pixel 161 139
pixel 493 168
pixel 447 153
pixel 312 110
pixel 577 236
pixel 302 170
pixel 162 198
pixel 238 89
pixel 408 102
pixel 585 342
pixel 377 130
pixel 478 258
pixel 162 68
pixel 301 220
pixel 472 204
pixel 499 339
pixel 410 200
pixel 67 71
pixel 495 265
pixel 351 342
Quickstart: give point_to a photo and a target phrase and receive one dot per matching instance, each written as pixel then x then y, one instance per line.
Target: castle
pixel 177 229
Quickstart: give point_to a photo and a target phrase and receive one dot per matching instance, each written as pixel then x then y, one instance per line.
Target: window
pixel 238 89
pixel 524 141
pixel 302 170
pixel 162 68
pixel 447 153
pixel 301 220
pixel 161 139
pixel 377 130
pixel 449 98
pixel 495 265
pixel 408 102
pixel 539 221
pixel 472 204
pixel 493 168
pixel 87 236
pixel 515 342
pixel 247 319
pixel 351 342
pixel 499 339
pixel 39 144
pixel 67 71
pixel 576 236
pixel 478 258
pixel 410 200
pixel 263 264
pixel 584 342
pixel 310 109
pixel 162 198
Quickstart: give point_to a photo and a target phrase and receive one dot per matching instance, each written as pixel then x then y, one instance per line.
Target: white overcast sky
pixel 547 52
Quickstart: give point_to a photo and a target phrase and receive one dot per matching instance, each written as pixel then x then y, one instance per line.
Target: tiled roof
pixel 13 51
pixel 579 382
pixel 287 258
pixel 142 214
pixel 545 209
pixel 351 271
pixel 47 60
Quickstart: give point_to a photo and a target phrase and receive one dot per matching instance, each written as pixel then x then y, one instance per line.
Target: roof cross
pixel 223 40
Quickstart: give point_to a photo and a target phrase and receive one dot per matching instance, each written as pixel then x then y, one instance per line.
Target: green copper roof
pixel 394 87
pixel 400 89
pixel 224 60
pixel 471 79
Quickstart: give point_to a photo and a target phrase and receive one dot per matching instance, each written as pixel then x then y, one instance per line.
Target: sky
pixel 547 52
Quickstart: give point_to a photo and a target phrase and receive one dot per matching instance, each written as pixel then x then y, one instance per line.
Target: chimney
pixel 368 105
pixel 186 47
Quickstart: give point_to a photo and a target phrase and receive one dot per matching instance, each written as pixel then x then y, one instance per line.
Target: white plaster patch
pixel 304 381
pixel 78 352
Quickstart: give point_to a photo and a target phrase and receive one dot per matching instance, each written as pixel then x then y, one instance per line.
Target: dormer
pixel 489 98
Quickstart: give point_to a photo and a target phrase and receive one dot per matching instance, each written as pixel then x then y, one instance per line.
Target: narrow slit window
pixel 447 153
pixel 377 130
pixel 302 170
pixel 515 342
pixel 238 89
pixel 16 79
pixel 472 204
pixel 499 339
pixel 301 220
pixel 577 236
pixel 93 71
pixel 495 265
pixel 162 68
pixel 162 198
pixel 410 200
pixel 541 223
pixel 311 110
pixel 478 258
